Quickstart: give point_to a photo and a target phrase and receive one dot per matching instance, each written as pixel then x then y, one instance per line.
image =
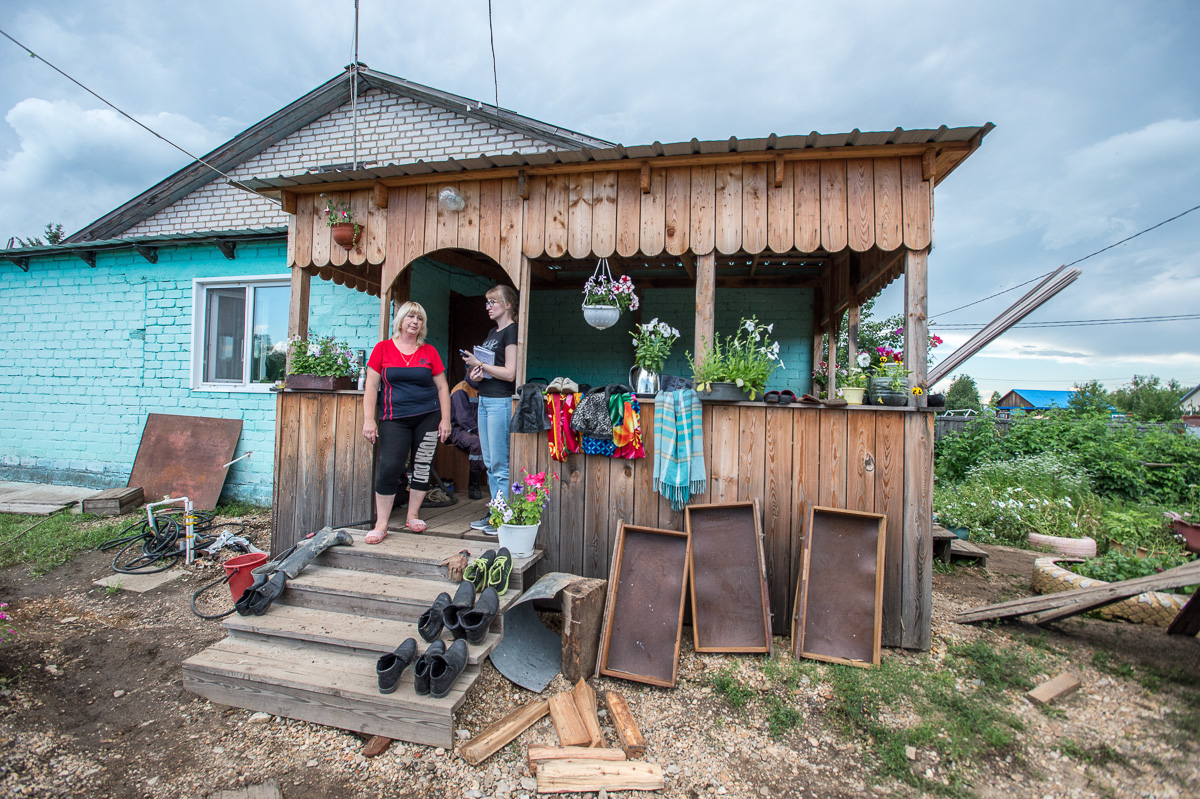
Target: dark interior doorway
pixel 469 325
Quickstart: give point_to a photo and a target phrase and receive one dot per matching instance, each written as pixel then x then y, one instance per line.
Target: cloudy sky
pixel 1097 108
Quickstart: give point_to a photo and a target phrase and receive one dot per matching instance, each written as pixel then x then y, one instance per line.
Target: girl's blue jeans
pixel 494 416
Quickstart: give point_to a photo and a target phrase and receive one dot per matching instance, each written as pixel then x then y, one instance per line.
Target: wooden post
pixel 852 320
pixel 916 325
pixel 385 314
pixel 818 349
pixel 523 319
pixel 297 308
pixel 706 283
pixel 834 326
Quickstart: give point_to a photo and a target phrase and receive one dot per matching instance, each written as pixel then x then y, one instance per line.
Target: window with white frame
pixel 239 332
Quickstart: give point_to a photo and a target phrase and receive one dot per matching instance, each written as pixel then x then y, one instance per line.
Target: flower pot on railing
pixel 601 316
pixel 643 381
pixel 319 383
pixel 519 538
pixel 853 395
pixel 723 392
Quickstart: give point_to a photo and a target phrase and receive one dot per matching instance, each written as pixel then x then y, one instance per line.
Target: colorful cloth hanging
pixel 563 440
pixel 627 433
pixel 678 447
pixel 597 446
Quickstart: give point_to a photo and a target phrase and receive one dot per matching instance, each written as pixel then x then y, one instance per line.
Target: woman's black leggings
pixel 399 437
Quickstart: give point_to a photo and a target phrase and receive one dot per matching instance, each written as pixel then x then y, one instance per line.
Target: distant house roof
pixel 1193 394
pixel 1036 398
pixel 146 246
pixel 312 106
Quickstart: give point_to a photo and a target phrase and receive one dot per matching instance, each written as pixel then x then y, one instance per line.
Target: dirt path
pixel 92 705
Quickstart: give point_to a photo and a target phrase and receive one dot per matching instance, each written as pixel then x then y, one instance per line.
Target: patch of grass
pixel 945 568
pixel 782 718
pixel 53 541
pixel 727 685
pixel 240 508
pixel 998 667
pixel 1097 754
pixel 113 589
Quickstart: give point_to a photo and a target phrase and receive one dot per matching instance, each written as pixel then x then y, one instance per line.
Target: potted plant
pixel 517 517
pixel 855 385
pixel 321 364
pixel 604 298
pixel 739 368
pixel 338 217
pixel 890 384
pixel 651 345
pixel 1186 528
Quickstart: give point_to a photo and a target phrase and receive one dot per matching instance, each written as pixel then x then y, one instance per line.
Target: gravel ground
pixel 92 705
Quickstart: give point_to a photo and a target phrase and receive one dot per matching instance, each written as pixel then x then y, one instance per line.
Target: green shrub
pixel 1136 525
pixel 1113 567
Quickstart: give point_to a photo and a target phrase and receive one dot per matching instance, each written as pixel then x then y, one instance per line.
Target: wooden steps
pixel 312 655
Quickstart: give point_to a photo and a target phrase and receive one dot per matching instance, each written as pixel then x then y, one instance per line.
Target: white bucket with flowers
pixel 518 516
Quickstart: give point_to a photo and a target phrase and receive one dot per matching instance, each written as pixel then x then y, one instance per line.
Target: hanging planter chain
pixel 601 316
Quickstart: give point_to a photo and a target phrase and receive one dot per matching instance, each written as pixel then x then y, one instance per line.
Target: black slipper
pixel 771 397
pixel 787 397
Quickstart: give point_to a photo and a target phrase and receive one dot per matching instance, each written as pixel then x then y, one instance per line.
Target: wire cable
pixel 1132 320
pixel 150 130
pixel 1076 261
pixel 495 74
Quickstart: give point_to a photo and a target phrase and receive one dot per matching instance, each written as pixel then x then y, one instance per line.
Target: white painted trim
pixel 200 285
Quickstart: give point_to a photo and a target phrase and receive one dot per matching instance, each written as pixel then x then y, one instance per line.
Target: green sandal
pixel 479 570
pixel 500 571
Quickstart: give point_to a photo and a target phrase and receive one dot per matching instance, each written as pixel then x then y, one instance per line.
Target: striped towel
pixel 678 447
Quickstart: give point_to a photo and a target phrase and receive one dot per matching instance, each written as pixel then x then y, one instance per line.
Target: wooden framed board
pixel 839 596
pixel 731 611
pixel 643 618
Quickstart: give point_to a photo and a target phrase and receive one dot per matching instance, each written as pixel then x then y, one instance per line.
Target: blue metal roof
pixel 1040 398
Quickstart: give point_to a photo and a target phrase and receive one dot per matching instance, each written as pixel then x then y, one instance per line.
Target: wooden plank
pixel 321 236
pixel 916 323
pixel 917 573
pixel 834 468
pixel 861 466
pixel 468 217
pixel 585 706
pixel 303 223
pixel 807 202
pixel 702 215
pixel 557 196
pixel 889 214
pixel 338 255
pixel 751 453
pixel 533 233
pixel 447 223
pixel 574 776
pixel 360 212
pixel 620 500
pixel 536 755
pixel 628 733
pixel 706 282
pixel 915 197
pixel 889 500
pixel 344 437
pixel 677 207
pixel 489 218
pixel 595 520
pixel 652 214
pixel 777 513
pixel 567 723
pixel 728 205
pixel 291 237
pixel 723 474
pixel 754 207
pixel 860 204
pixel 414 224
pixel 604 214
pixel 498 735
pixel 629 213
pixel 833 205
pixel 781 210
pixel 582 618
pixel 1056 688
pixel 808 473
pixel 283 494
pixel 572 515
pixel 431 218
pixel 645 499
pixel 511 259
pixel 579 215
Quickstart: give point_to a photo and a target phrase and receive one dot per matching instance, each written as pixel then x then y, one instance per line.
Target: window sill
pixel 234 388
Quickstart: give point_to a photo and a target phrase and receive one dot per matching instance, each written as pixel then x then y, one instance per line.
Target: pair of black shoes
pixel 435 672
pixel 464 615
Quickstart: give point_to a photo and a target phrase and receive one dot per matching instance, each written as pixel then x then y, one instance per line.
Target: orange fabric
pixel 563 440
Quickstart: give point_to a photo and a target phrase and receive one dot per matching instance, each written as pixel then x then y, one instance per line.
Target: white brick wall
pixel 391 129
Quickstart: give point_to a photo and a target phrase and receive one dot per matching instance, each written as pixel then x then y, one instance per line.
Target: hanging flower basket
pixel 346 234
pixel 604 298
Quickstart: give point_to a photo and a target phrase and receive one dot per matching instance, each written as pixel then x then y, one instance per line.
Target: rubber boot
pixel 444 669
pixel 424 664
pixel 389 667
pixel 476 621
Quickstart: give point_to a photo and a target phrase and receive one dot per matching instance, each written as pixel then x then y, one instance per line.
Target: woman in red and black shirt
pixel 407 381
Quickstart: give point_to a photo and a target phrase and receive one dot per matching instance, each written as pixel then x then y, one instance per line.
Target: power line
pixel 495 74
pixel 153 132
pixel 1133 320
pixel 1077 261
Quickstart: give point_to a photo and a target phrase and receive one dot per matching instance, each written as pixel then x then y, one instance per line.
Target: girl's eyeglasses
pixel 490 303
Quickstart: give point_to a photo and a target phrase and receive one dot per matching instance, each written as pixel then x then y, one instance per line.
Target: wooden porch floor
pixel 453 521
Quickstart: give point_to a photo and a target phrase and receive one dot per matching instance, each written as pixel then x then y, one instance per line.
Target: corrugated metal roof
pixel 1040 398
pixel 772 143
pixel 248 234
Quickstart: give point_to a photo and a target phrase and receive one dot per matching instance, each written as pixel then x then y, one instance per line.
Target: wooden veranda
pixel 844 215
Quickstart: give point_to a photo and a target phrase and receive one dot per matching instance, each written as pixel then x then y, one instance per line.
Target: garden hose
pixel 214 583
pixel 146 549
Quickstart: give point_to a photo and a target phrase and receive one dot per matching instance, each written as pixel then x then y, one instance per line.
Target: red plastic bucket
pixel 239 569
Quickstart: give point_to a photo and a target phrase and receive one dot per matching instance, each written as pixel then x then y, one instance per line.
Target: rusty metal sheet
pixel 643 619
pixel 839 597
pixel 530 654
pixel 730 611
pixel 185 456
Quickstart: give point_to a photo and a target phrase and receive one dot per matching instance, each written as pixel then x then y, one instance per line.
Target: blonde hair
pixel 404 311
pixel 506 295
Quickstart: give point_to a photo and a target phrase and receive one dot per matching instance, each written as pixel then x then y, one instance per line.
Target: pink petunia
pixel 531 496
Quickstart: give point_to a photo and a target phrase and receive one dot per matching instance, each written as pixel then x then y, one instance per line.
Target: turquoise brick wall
pixel 561 343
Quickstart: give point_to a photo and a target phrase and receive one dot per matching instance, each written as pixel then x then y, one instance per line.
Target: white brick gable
pixel 391 129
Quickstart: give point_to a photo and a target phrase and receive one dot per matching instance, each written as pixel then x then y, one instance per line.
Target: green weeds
pixel 43 543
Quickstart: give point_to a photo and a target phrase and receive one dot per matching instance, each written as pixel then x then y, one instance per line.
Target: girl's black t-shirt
pixel 497 341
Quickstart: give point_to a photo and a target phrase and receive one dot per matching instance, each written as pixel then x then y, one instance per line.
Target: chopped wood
pixel 583 619
pixel 376 746
pixel 1055 688
pixel 497 736
pixel 1188 620
pixel 627 729
pixel 585 705
pixel 574 776
pixel 539 754
pixel 567 723
pixel 1081 600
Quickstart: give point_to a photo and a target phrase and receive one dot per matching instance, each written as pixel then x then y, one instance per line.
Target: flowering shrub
pixel 337 212
pixel 324 357
pixel 524 504
pixel 601 290
pixel 748 358
pixel 6 630
pixel 652 344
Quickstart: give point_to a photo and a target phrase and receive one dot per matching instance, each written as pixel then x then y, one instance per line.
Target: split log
pixel 497 736
pixel 540 754
pixel 627 729
pixel 567 723
pixel 1056 688
pixel 585 704
pixel 582 617
pixel 576 776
